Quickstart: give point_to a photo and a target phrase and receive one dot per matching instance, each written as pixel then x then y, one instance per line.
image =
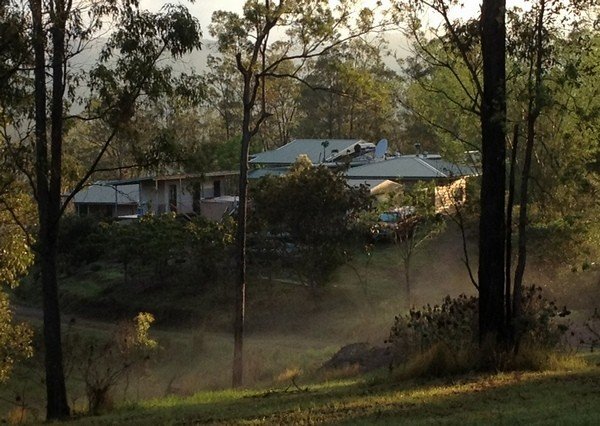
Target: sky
pixel 203 9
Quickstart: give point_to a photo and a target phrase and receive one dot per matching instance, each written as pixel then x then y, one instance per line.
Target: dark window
pixel 196 200
pixel 217 188
pixel 173 198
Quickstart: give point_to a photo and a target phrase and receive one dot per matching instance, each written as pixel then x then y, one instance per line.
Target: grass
pixel 290 328
pixel 557 397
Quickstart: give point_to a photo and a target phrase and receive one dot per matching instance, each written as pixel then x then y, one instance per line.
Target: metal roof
pixel 451 169
pixel 184 176
pixel 371 183
pixel 105 193
pixel 405 167
pixel 267 171
pixel 313 148
pixel 181 176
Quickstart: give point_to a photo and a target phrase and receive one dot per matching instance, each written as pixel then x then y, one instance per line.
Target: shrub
pixel 592 331
pixel 104 364
pixel 451 325
pixel 15 340
pixel 540 325
pixel 442 339
pixel 317 214
pixel 81 241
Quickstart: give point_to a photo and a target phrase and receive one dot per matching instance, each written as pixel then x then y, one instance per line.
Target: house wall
pixel 104 210
pixel 154 197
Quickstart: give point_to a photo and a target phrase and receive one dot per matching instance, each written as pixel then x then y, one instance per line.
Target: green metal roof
pixel 102 192
pixel 451 169
pixel 405 167
pixel 267 171
pixel 313 148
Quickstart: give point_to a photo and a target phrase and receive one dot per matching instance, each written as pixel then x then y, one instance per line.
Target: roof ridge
pixel 426 164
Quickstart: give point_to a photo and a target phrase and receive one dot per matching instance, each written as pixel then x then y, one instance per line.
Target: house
pixel 185 193
pixel 329 152
pixel 210 194
pixel 370 165
pixel 449 178
pixel 106 199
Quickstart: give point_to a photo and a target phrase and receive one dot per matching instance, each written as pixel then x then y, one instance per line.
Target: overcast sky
pixel 203 9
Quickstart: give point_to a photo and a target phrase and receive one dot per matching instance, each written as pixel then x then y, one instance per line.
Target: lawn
pixel 558 397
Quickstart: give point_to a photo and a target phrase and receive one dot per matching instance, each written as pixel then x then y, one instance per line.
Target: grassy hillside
pixel 290 328
pixel 560 397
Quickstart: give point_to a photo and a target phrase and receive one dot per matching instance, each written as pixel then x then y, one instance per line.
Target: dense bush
pixel 81 240
pixel 310 217
pixel 15 339
pixel 539 326
pixel 451 325
pixel 168 250
pixel 152 251
pixel 443 338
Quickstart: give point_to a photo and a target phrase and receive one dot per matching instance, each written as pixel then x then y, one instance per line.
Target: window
pixel 217 188
pixel 173 198
pixel 196 199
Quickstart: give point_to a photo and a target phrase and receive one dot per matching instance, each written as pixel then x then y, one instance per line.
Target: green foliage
pixel 542 325
pixel 102 365
pixel 81 241
pixel 16 255
pixel 317 211
pixel 442 95
pixel 15 339
pixel 359 100
pixel 451 326
pixel 153 251
pixel 443 338
pixel 208 244
pixel 15 259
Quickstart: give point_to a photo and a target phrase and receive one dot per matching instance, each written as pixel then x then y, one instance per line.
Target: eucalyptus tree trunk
pixel 533 112
pixel 48 184
pixel 492 324
pixel 509 231
pixel 240 281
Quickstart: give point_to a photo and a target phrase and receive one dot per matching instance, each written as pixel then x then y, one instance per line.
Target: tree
pixel 480 76
pixel 544 62
pixel 314 210
pixel 311 29
pixel 351 94
pixel 492 220
pixel 545 100
pixel 417 222
pixel 128 68
pixel 223 93
pixel 282 97
pixel 15 260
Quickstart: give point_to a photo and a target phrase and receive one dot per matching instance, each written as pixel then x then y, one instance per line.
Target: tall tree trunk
pixel 407 278
pixel 509 229
pixel 240 239
pixel 48 199
pixel 533 112
pixel 240 287
pixel 492 223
